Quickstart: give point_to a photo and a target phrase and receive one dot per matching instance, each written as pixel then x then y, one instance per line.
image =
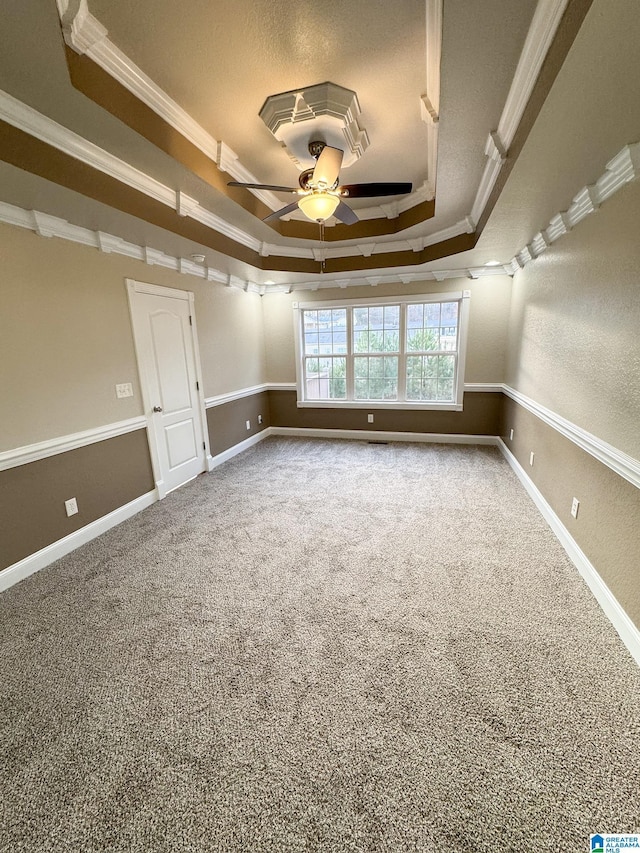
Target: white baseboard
pixel 616 614
pixel 382 435
pixel 214 461
pixel 34 562
pixel 629 633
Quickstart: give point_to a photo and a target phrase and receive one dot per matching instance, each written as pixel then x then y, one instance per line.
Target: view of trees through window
pixel 406 351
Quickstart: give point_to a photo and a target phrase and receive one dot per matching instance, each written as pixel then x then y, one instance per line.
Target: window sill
pixel 378 404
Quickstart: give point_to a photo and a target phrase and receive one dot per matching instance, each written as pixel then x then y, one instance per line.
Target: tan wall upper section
pixel 66 340
pixel 489 314
pixel 574 343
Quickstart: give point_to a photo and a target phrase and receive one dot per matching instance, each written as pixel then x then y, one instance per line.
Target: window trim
pixel 461 296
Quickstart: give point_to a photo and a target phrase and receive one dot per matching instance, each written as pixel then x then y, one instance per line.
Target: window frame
pixel 460 296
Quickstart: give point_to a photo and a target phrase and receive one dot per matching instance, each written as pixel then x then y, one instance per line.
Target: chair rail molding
pixel 61 444
pixel 622 463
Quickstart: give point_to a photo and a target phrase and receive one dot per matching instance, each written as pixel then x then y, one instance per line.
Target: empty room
pixel 319 426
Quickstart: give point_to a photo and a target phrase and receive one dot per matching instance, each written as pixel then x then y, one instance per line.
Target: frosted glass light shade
pixel 318 206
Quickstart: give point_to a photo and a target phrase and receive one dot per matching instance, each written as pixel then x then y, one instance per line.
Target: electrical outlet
pixel 259 419
pixel 575 506
pixel 370 419
pixel 532 456
pixel 71 506
pixel 248 424
pixel 510 435
pixel 124 390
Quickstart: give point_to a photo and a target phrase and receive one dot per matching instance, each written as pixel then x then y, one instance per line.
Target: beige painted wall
pixel 66 340
pixel 574 342
pixel 489 314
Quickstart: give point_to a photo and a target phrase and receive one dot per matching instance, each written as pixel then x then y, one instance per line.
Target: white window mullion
pixel 298 326
pixel 402 354
pixel 350 370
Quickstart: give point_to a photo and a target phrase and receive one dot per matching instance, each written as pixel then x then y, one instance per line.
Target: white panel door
pixel 166 357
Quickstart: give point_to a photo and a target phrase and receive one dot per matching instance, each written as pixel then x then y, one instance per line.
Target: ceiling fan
pixel 320 195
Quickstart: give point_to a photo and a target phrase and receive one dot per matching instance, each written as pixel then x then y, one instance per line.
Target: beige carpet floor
pixel 320 646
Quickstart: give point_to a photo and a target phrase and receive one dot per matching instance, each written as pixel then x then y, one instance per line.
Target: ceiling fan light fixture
pixel 318 206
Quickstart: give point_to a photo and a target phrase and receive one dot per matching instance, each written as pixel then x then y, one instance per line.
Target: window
pixel 402 353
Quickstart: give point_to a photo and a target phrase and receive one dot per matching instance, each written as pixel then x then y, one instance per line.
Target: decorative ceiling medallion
pixel 325 112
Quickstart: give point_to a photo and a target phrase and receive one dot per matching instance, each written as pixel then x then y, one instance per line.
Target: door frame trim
pixel 134 287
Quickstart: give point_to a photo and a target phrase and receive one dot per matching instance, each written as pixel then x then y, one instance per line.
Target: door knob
pixel 157 408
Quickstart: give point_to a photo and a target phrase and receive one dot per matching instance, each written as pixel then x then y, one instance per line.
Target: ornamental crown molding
pixel 325 112
pixel 328 103
pixel 620 170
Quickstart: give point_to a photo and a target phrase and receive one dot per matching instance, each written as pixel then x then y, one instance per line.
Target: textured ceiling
pixel 222 60
pixel 219 61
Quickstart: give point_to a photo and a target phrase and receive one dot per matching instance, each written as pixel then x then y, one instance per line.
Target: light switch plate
pixel 124 390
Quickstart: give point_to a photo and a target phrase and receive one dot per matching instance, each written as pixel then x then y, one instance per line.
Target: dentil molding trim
pixel 620 170
pixel 46 225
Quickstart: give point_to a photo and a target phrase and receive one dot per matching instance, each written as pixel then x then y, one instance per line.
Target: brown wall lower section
pixel 607 528
pixel 227 423
pixel 480 416
pixel 107 475
pixel 102 477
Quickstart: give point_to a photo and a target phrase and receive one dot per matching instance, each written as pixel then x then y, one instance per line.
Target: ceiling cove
pixel 98 68
pixel 90 52
pixel 621 170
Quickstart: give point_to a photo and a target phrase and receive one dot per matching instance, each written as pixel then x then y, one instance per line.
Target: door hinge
pixel 204 446
pixel 197 385
pixel 190 320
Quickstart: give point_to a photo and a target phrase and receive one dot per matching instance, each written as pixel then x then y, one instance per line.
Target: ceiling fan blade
pixel 374 190
pixel 328 167
pixel 344 213
pixel 271 187
pixel 282 212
